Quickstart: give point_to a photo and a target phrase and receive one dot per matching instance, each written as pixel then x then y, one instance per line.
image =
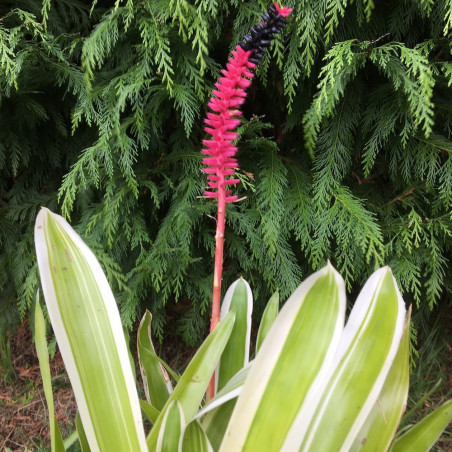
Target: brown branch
pixel 365 180
pixel 398 198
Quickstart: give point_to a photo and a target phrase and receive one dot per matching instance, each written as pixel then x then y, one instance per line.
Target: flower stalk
pixel 221 124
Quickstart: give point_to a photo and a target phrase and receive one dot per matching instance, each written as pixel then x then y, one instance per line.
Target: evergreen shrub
pixel 344 149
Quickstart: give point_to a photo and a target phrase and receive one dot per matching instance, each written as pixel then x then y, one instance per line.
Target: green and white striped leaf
pixel 236 354
pixel 194 439
pixel 268 317
pixel 192 385
pixel 367 350
pixel 157 384
pixel 423 435
pixel 56 440
pixel 301 343
pixel 217 413
pixel 380 427
pixel 217 421
pixel 230 391
pixel 70 440
pixel 89 333
pixel 172 426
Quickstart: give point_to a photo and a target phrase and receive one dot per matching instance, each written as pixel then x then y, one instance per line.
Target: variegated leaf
pixel 89 333
pixel 157 384
pixel 301 343
pixel 236 354
pixel 173 424
pixel 194 439
pixel 217 413
pixel 382 422
pixel 191 387
pixel 366 352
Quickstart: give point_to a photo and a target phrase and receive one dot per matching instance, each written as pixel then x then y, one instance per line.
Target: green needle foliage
pixel 345 147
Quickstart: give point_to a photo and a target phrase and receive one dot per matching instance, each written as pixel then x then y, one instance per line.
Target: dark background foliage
pixel 345 148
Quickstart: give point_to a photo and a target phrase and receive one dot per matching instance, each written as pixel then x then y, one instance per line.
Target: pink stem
pixel 219 244
pixel 218 271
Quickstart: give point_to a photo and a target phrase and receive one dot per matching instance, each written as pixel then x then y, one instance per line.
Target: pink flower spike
pixel 221 164
pixel 221 124
pixel 283 10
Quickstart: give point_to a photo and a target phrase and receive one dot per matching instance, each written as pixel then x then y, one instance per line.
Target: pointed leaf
pixel 172 425
pixel 194 439
pixel 157 384
pixel 268 317
pixel 131 360
pixel 89 333
pixel 302 341
pixel 84 446
pixel 231 391
pixel 217 421
pixel 420 403
pixel 56 440
pixel 70 440
pixel 217 413
pixel 366 352
pixel 236 354
pixel 192 385
pixel 149 411
pixel 423 435
pixel 382 422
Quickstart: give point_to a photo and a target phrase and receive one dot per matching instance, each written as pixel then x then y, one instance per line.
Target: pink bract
pixel 228 97
pixel 283 10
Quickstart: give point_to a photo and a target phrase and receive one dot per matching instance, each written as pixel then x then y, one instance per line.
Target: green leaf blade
pixel 56 439
pixel 301 342
pixel 88 329
pixel 362 365
pixel 217 413
pixel 149 411
pixel 194 439
pixel 382 422
pixel 236 353
pixel 192 384
pixel 268 317
pixel 83 441
pixel 157 384
pixel 423 435
pixel 172 426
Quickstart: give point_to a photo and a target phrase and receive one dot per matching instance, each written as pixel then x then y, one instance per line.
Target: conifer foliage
pixel 344 146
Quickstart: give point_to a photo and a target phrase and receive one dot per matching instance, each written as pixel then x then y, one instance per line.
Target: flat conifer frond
pixel 344 150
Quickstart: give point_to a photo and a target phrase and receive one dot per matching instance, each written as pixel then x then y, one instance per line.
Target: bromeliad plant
pixel 313 385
